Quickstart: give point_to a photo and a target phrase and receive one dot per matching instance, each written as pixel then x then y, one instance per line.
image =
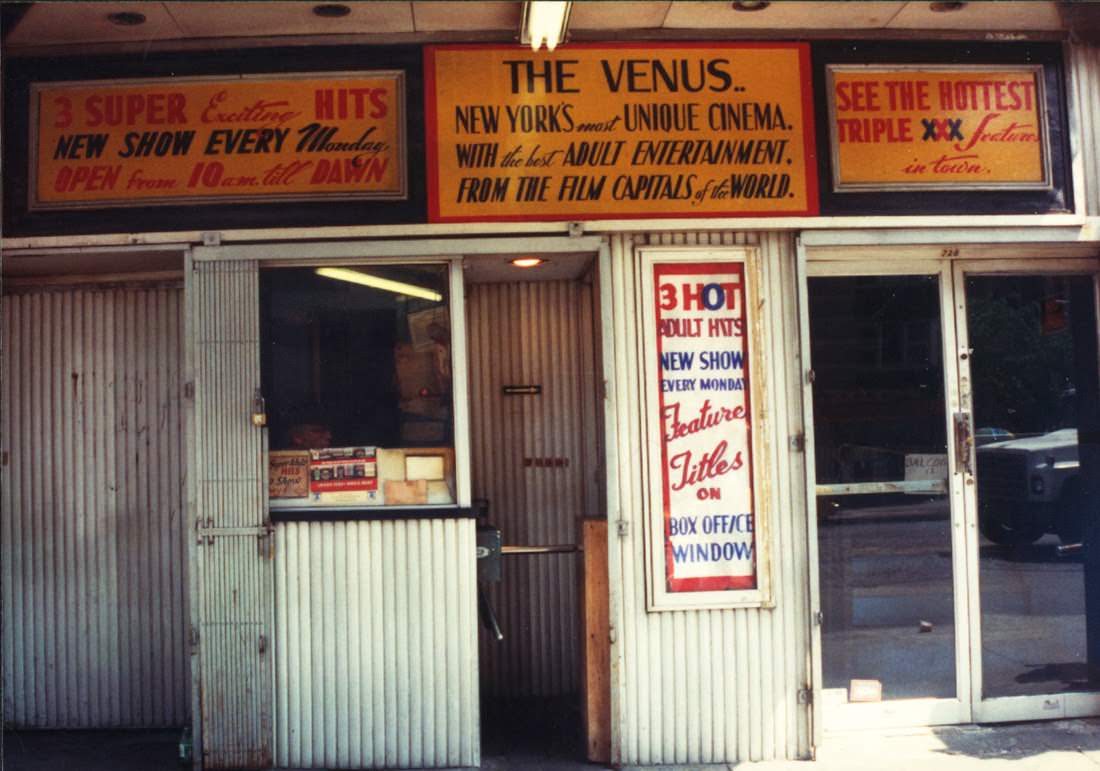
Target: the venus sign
pixel 705 426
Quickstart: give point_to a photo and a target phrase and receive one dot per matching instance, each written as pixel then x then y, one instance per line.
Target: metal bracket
pixel 194 638
pixel 798 442
pixel 212 238
pixel 622 527
pixel 189 390
pixel 819 617
pixel 805 696
pixel 576 229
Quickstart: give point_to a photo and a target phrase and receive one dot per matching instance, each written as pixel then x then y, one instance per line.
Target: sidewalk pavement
pixel 1062 745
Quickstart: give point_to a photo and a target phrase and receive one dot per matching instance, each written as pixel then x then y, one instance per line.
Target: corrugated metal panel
pixel 376 648
pixel 1085 63
pixel 233 591
pixel 94 550
pixel 720 685
pixel 531 334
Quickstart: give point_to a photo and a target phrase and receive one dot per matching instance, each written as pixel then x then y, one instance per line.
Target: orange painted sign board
pixel 207 140
pixel 610 131
pixel 916 127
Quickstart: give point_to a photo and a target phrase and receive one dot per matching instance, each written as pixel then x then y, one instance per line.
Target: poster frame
pixel 658 596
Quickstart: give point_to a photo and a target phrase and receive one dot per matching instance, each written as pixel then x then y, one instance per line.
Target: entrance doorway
pixel 536 463
pixel 955 413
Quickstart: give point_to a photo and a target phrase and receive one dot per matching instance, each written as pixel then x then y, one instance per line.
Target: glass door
pixel 891 542
pixel 1027 365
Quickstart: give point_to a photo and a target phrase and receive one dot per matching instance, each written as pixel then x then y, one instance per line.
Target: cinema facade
pixel 789 425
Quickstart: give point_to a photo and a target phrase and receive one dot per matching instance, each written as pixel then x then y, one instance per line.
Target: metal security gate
pixel 93 538
pixel 232 577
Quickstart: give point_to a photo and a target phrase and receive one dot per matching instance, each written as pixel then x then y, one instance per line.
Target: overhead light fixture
pixel 126 18
pixel 528 262
pixel 544 21
pixel 377 282
pixel 749 5
pixel 331 10
pixel 945 7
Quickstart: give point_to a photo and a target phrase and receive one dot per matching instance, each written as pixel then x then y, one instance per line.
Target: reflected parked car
pixel 1030 486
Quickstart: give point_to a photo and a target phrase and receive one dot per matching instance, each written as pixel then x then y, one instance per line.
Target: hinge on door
pixel 189 390
pixel 818 617
pixel 263 644
pixel 798 442
pixel 805 696
pixel 811 376
pixel 194 638
pixel 603 390
pixel 622 527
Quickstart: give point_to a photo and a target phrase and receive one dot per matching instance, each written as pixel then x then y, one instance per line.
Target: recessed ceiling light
pixel 331 10
pixel 126 18
pixel 945 7
pixel 749 5
pixel 528 262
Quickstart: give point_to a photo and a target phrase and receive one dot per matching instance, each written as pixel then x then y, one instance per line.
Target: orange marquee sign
pixel 619 131
pixel 204 140
pixel 925 127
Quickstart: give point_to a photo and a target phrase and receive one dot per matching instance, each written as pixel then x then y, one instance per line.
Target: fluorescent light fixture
pixel 377 282
pixel 544 20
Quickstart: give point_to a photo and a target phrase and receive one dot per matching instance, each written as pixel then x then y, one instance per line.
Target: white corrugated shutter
pixel 713 686
pixel 94 539
pixel 233 551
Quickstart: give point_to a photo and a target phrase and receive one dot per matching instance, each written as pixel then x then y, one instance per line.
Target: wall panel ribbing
pixel 94 538
pixel 717 685
pixel 376 644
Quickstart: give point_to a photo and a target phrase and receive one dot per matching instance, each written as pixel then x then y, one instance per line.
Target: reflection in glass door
pixel 890 631
pixel 1029 357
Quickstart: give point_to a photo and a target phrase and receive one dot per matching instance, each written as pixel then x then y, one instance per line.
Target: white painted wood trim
pixel 356 232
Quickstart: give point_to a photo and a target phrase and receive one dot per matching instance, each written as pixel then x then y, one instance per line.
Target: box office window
pixel 357 379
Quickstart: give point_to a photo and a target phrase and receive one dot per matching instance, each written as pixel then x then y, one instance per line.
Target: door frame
pixel 1007 708
pixel 920 711
pixel 916 252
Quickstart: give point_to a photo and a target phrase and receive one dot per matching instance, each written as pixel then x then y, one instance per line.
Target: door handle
pixel 964 444
pixel 557 548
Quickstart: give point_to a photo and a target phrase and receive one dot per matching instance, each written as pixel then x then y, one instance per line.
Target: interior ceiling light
pixel 544 20
pixel 749 5
pixel 528 262
pixel 331 10
pixel 377 282
pixel 945 7
pixel 126 18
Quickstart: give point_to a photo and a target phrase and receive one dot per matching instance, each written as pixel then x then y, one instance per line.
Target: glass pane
pixel 357 379
pixel 1034 372
pixel 884 521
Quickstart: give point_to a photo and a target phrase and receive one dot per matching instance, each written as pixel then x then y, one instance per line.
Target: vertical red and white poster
pixel 700 382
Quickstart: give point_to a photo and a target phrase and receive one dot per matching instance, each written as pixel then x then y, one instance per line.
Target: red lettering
pixel 692 296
